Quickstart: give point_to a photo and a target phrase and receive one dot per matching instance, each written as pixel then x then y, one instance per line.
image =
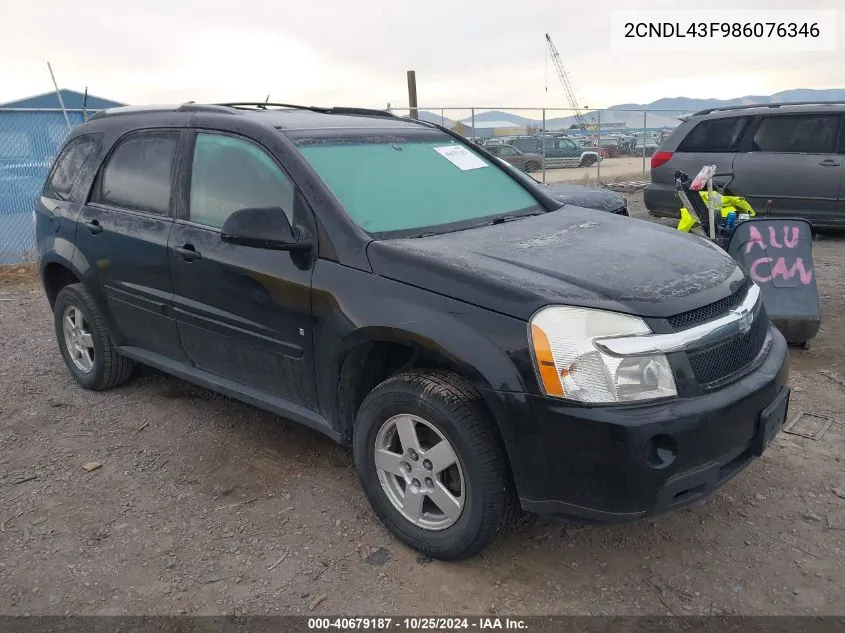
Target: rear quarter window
pixel 715 135
pixel 68 166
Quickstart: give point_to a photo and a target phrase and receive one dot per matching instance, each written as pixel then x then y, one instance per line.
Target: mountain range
pixel 661 113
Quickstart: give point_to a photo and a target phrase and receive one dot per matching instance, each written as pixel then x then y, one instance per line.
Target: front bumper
pixel 623 462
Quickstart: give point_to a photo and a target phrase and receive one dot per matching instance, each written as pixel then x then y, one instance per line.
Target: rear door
pixel 122 232
pixel 791 160
pixel 244 314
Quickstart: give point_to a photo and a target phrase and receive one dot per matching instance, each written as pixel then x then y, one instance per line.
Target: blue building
pixel 31 132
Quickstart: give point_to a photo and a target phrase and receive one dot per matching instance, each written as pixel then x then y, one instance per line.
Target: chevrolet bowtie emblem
pixel 746 318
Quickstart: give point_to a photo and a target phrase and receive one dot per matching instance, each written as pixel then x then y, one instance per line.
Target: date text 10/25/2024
pixel 417 624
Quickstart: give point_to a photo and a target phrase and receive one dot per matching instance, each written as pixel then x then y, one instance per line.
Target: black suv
pixel 481 348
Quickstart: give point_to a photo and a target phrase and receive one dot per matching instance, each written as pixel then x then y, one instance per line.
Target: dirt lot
pixel 203 505
pixel 612 169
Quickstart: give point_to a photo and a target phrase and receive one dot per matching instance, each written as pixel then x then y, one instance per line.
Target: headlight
pixel 571 366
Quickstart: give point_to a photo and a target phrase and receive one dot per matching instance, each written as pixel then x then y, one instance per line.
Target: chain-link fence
pixel 563 145
pixel 552 144
pixel 29 141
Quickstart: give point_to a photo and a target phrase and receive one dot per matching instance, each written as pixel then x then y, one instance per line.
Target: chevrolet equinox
pixel 483 349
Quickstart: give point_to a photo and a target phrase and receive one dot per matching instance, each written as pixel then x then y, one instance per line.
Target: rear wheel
pixel 432 465
pixel 84 341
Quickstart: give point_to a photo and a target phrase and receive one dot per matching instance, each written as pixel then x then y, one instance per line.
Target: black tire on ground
pixel 457 411
pixel 588 160
pixel 532 166
pixel 109 368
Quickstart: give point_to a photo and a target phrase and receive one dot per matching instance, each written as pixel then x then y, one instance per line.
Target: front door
pixel 122 233
pixel 243 313
pixel 792 161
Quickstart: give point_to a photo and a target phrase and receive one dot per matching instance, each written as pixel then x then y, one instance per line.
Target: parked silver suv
pixel 790 153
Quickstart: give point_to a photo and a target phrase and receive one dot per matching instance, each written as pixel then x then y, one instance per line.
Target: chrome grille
pixel 709 312
pixel 718 362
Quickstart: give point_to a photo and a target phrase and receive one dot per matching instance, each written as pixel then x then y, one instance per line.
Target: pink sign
pixel 786 265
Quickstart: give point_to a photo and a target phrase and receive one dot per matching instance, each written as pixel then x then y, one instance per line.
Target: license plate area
pixel 771 421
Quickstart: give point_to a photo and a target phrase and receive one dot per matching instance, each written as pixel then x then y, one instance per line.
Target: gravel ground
pixel 204 505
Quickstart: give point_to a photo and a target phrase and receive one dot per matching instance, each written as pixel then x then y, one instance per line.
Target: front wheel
pixel 432 465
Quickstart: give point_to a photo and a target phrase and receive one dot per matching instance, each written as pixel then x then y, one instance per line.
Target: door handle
pixel 189 253
pixel 829 162
pixel 94 226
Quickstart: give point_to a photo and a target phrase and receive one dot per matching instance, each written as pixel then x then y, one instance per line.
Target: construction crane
pixel 567 85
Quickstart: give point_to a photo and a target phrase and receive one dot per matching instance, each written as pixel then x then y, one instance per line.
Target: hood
pixel 571 256
pixel 582 196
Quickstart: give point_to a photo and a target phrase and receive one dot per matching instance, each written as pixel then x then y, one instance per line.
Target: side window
pixel 68 166
pixel 138 174
pixel 229 174
pixel 715 135
pixel 806 134
pixel 496 150
pixel 504 150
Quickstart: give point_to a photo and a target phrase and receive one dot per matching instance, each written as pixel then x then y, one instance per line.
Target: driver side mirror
pixel 266 228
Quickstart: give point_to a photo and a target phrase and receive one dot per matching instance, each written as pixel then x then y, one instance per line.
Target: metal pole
pixel 645 113
pixel 412 94
pixel 598 133
pixel 711 209
pixel 441 117
pixel 59 95
pixel 543 141
pixel 473 123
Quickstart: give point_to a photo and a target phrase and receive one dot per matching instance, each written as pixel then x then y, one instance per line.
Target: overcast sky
pixel 356 52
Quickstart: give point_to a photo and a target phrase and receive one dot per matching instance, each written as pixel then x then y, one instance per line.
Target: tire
pixel 454 409
pixel 587 161
pixel 107 368
pixel 532 167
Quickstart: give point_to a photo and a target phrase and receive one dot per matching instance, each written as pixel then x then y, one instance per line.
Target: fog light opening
pixel 661 451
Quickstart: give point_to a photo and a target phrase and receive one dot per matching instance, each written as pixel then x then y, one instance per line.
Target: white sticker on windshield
pixel 460 157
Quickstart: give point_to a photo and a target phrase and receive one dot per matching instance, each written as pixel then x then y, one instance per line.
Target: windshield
pixel 412 181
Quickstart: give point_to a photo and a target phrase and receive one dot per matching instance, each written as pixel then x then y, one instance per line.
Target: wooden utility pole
pixel 412 93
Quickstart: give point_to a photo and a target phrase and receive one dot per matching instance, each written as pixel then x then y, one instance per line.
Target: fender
pixel 352 308
pixel 474 355
pixel 64 253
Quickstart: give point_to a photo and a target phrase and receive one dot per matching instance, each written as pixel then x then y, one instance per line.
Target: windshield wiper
pixel 510 218
pixel 497 220
pixel 423 234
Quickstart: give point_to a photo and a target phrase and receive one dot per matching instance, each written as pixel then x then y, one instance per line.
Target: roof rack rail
pixel 132 109
pixel 193 106
pixel 751 106
pixel 264 105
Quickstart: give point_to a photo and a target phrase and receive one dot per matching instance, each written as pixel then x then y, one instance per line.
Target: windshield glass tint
pixel 393 184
